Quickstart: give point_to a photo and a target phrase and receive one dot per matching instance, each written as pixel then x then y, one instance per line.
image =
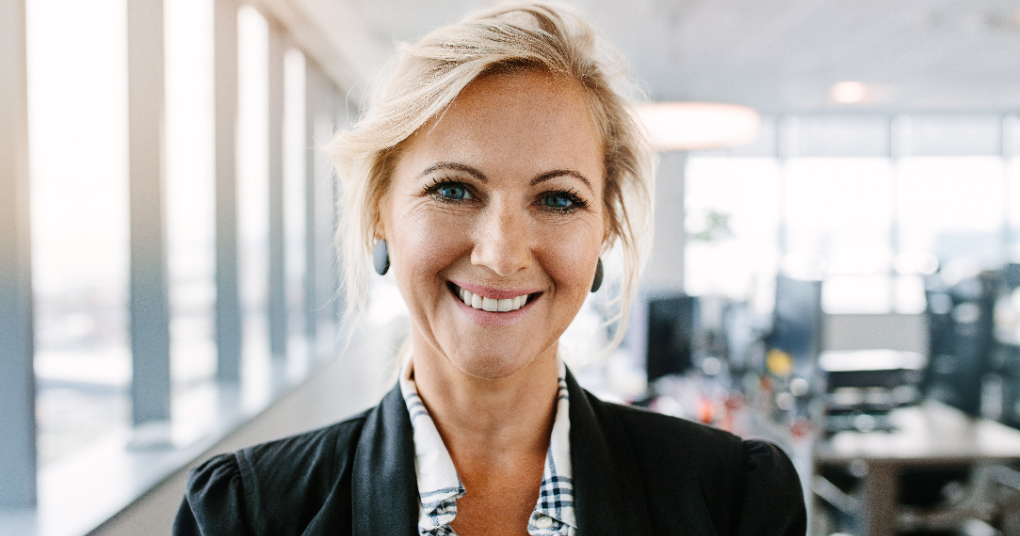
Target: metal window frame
pixel 18 462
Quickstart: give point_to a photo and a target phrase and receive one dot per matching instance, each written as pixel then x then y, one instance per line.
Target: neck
pixel 483 420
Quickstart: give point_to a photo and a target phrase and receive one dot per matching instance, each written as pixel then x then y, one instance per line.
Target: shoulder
pixel 655 432
pixel 286 480
pixel 739 484
pixel 680 436
pixel 704 449
pixel 323 449
pixel 771 494
pixel 657 436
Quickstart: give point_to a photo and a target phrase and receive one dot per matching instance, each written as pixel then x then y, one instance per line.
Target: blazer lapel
pixel 608 496
pixel 384 484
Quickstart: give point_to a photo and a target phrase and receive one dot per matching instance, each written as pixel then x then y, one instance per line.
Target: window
pixel 870 225
pixel 732 221
pixel 253 198
pixel 78 121
pixel 190 191
pixel 78 162
pixel 953 206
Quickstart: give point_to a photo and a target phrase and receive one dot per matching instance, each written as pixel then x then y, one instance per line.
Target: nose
pixel 503 241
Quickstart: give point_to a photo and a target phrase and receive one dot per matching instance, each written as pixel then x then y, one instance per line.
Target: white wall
pixel 665 264
pixel 876 331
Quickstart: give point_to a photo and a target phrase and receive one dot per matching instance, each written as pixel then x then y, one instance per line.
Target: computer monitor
pixel 1007 358
pixel 740 333
pixel 1011 276
pixel 672 322
pixel 1001 386
pixel 961 341
pixel 797 322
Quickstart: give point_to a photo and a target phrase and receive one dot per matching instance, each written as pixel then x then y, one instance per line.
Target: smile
pixel 492 305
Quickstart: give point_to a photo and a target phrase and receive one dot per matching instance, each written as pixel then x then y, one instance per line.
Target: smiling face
pixel 494 220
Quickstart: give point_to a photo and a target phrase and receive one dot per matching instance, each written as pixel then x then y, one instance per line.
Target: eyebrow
pixel 549 175
pixel 560 173
pixel 456 167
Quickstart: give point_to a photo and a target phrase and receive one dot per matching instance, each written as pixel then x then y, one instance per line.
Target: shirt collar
pixel 439 486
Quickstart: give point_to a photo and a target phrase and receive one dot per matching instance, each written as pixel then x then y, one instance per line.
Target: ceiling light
pixel 848 92
pixel 686 126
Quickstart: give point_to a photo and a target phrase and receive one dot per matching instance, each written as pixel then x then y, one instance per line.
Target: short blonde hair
pixel 428 76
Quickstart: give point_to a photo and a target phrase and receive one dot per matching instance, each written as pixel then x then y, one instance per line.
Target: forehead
pixel 514 123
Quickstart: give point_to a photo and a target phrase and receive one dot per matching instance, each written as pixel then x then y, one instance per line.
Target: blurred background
pixel 835 268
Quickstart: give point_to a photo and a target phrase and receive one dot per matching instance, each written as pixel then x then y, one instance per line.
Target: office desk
pixel 930 434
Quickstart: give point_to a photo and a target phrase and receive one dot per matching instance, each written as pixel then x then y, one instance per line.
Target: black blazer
pixel 635 472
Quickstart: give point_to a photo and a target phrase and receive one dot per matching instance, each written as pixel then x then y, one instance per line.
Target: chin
pixel 493 366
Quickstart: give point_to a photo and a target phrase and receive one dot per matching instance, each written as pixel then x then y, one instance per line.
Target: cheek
pixel 423 246
pixel 570 259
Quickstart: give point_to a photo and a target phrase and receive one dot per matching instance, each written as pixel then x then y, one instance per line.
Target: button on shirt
pixel 439 486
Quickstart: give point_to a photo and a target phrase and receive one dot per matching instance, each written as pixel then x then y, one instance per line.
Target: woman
pixel 495 168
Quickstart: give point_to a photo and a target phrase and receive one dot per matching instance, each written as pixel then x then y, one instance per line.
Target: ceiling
pixel 782 56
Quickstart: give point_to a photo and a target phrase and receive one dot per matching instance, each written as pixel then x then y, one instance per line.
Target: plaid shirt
pixel 439 486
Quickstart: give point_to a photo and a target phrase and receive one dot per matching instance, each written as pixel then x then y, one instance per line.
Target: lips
pixel 491 300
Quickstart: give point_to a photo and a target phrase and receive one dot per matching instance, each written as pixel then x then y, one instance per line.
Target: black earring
pixel 595 285
pixel 381 257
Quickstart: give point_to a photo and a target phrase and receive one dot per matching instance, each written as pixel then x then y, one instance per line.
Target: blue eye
pixel 448 191
pixel 453 191
pixel 559 201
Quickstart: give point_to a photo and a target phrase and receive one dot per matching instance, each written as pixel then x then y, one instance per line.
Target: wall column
pixel 150 324
pixel 326 299
pixel 277 252
pixel 228 301
pixel 313 109
pixel 341 119
pixel 1006 133
pixel 17 381
pixel 665 271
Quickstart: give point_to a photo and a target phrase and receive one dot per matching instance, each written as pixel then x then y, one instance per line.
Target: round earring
pixel 381 257
pixel 597 283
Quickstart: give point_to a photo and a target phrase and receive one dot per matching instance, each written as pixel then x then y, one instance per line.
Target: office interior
pixel 835 266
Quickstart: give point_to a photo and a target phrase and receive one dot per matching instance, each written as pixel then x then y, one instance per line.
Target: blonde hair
pixel 429 75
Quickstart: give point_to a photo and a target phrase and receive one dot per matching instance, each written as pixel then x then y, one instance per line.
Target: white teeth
pixel 491 304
